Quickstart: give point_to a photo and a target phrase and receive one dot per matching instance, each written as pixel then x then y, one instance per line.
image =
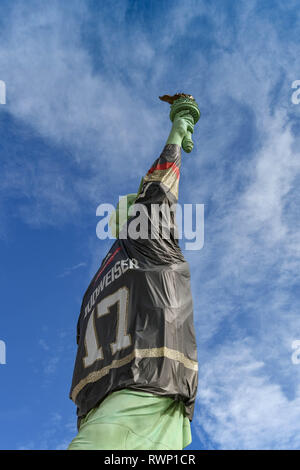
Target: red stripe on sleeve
pixel 165 166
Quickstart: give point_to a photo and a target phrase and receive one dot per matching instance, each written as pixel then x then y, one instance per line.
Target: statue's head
pixel 120 216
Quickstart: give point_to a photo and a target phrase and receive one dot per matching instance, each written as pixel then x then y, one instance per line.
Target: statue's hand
pixel 182 129
pixel 183 125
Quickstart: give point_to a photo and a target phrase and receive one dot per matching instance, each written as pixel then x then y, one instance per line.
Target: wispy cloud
pixel 241 407
pixel 44 345
pixel 92 115
pixel 68 271
pixel 56 434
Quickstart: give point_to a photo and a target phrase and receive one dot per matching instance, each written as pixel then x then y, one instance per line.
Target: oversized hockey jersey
pixel 135 329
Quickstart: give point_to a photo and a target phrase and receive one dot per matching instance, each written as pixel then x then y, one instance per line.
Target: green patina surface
pixel 184 114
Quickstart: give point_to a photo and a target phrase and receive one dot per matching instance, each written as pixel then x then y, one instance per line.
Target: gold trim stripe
pixel 167 177
pixel 139 353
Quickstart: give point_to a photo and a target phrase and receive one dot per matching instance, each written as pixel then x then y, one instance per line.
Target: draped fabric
pixel 135 330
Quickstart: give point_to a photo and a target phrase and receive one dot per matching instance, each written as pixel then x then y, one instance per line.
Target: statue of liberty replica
pixel 136 372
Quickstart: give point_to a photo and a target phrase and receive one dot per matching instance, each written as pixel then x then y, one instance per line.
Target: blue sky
pixel 81 124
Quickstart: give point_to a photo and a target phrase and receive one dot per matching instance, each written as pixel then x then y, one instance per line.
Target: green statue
pixel 136 371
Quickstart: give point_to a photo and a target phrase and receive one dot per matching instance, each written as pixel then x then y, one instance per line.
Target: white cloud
pixel 54 90
pixel 239 406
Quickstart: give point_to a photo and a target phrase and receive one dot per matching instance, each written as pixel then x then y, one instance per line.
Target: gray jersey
pixel 135 328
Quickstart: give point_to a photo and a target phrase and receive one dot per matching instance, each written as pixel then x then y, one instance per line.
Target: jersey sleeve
pixel 156 203
pixel 161 182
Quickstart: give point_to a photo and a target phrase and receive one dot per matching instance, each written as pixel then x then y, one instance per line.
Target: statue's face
pixel 120 216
